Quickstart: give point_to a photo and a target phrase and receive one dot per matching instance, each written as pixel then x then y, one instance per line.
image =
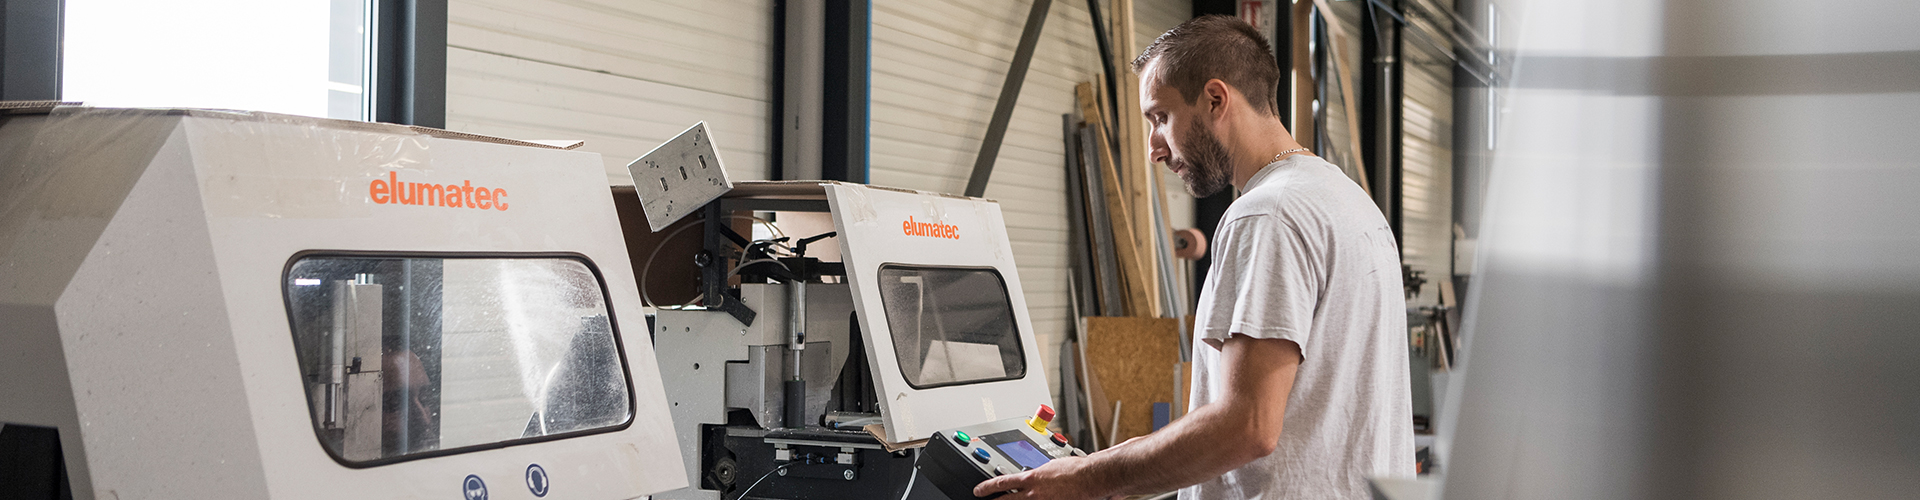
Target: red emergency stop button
pixel 1040 419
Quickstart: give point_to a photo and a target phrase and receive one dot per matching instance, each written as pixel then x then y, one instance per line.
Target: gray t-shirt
pixel 1304 255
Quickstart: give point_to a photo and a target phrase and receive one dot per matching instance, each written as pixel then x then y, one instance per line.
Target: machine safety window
pixel 415 356
pixel 951 326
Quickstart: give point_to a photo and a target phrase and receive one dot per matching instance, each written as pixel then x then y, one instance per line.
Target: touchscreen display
pixel 1023 453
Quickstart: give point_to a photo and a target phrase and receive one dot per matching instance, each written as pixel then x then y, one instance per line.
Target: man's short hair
pixel 1215 46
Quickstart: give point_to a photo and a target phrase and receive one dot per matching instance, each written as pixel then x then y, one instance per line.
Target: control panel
pixel 956 460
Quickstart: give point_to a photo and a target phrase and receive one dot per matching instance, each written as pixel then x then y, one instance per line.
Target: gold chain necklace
pixel 1288 152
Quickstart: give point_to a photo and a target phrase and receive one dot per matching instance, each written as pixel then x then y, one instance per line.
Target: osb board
pixel 1133 361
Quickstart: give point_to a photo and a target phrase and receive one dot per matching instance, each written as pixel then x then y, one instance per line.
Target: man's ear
pixel 1217 95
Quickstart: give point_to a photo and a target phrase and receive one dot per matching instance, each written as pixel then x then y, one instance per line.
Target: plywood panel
pixel 1133 360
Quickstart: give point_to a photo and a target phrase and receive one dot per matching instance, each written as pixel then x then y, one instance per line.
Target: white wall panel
pixel 1150 19
pixel 622 75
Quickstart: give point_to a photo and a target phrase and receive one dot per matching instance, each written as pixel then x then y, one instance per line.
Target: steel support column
pixel 409 72
pixel 30 32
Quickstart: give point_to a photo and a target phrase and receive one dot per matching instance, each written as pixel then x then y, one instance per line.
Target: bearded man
pixel 1300 374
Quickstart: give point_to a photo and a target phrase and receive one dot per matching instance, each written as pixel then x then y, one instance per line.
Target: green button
pixel 962 438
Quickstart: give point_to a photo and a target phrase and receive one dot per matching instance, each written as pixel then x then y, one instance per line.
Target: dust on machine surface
pixel 249 305
pixel 839 327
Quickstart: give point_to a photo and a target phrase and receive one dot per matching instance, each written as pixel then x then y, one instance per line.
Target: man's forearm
pixel 1205 444
pixel 1242 425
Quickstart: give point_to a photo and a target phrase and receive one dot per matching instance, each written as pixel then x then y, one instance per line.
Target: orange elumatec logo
pixel 929 229
pixel 463 195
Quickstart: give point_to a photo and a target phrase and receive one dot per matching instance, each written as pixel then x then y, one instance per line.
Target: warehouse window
pixel 304 57
pixel 951 326
pixel 415 356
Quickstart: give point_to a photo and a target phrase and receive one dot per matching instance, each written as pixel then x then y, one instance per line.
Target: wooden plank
pixel 1130 129
pixel 1132 360
pixel 1120 217
pixel 1304 88
pixel 1135 281
pixel 1172 300
pixel 1084 266
pixel 1183 374
pixel 1100 227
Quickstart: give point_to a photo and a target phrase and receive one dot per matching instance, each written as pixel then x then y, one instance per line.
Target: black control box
pixel 956 460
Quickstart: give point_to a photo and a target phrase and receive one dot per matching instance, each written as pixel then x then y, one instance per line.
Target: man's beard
pixel 1205 168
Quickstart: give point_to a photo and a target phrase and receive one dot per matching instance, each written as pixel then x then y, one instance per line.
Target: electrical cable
pixel 647 267
pixel 730 274
pixel 763 477
pixel 743 265
pixel 803 458
pixel 908 491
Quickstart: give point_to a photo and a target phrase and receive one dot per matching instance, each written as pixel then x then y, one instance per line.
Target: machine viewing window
pixel 951 325
pixel 407 356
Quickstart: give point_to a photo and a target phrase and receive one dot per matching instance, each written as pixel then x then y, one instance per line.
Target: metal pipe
pixel 796 323
pixel 796 385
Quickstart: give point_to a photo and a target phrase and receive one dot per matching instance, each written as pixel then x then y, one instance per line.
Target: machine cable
pixel 763 477
pixel 804 458
pixel 647 268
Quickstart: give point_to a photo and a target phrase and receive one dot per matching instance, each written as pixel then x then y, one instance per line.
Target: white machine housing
pixel 883 227
pixel 142 310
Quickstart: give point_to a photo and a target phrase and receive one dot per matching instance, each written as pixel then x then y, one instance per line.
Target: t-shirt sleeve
pixel 1265 283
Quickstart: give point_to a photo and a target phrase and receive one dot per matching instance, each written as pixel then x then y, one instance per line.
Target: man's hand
pixel 1061 479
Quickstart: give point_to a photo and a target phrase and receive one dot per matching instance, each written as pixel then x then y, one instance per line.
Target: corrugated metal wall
pixel 1426 177
pixel 622 75
pixel 625 76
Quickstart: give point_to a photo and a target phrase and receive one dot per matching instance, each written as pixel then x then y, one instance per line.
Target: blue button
pixel 472 488
pixel 981 455
pixel 537 480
